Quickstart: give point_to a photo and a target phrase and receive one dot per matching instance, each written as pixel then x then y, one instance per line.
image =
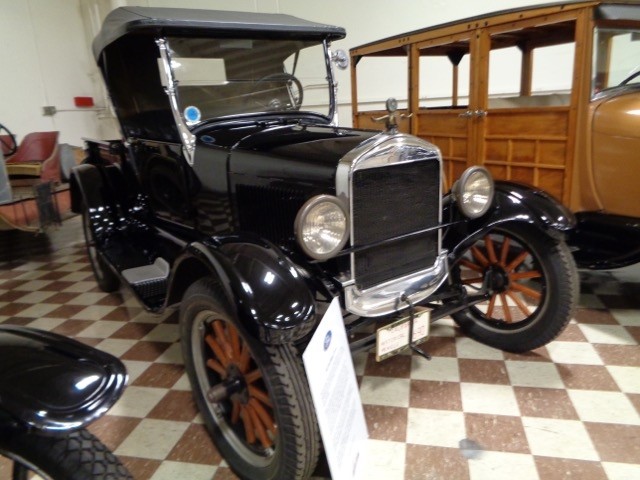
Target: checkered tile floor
pixel 570 410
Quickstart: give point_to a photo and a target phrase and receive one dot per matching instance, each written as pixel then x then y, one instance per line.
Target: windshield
pixel 222 77
pixel 616 58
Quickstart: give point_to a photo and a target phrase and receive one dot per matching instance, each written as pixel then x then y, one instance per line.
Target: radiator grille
pixel 390 201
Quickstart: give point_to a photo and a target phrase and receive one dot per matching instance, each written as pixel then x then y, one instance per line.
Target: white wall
pixel 45 52
pixel 45 60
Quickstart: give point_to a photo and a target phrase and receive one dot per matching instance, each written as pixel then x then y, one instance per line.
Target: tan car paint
pixel 615 152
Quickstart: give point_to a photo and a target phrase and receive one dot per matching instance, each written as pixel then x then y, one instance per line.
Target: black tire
pixel 76 456
pixel 106 279
pixel 539 292
pixel 284 443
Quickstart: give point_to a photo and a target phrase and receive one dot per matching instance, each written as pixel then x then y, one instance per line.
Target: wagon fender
pixel 513 203
pixel 265 288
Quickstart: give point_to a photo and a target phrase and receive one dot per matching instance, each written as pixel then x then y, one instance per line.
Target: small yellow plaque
pixel 393 338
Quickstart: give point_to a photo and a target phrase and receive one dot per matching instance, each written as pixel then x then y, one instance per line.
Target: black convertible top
pixel 191 22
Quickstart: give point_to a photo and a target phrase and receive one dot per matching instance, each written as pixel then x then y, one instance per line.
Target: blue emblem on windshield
pixel 192 114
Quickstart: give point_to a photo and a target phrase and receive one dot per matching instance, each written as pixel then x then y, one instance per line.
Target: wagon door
pixel 524 117
pixel 443 97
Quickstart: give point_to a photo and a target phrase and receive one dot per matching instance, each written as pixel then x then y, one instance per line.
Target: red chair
pixel 37 156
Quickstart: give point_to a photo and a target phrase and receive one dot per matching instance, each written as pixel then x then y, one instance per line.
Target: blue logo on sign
pixel 327 340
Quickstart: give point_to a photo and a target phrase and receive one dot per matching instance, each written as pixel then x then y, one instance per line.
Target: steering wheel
pixel 294 89
pixel 8 148
pixel 633 76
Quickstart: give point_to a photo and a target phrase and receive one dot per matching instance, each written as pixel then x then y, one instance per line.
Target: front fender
pixel 512 203
pixel 531 205
pixel 265 288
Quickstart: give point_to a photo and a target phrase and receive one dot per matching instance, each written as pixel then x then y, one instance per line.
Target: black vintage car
pixel 235 195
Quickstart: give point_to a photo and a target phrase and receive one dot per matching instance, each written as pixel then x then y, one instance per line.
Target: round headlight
pixel 474 191
pixel 322 227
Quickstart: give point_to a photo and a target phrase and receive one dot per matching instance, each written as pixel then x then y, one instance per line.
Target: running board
pixel 149 281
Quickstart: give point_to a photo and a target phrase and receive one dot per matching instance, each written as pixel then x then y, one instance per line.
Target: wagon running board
pixel 605 241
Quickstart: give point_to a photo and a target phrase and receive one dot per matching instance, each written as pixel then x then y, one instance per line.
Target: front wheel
pixel 254 398
pixel 75 456
pixel 534 288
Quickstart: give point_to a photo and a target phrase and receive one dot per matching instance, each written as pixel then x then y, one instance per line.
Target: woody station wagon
pixel 547 96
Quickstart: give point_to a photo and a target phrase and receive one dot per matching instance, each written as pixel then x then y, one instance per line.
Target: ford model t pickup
pixel 548 95
pixel 235 195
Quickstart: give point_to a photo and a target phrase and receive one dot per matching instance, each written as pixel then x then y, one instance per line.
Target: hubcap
pixel 498 279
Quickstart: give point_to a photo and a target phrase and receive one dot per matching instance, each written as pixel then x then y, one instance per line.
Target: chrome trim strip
pixel 385 298
pixel 188 138
pixel 333 84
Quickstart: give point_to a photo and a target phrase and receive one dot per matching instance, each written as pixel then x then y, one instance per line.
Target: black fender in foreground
pixel 54 383
pixel 266 290
pixel 512 203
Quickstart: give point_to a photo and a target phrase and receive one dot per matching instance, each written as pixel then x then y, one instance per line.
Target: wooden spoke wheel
pixel 532 282
pixel 511 271
pixel 254 398
pixel 229 357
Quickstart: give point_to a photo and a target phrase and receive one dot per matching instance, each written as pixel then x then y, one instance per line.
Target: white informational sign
pixel 334 389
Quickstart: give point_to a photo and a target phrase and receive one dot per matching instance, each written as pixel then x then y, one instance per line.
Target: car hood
pixel 307 153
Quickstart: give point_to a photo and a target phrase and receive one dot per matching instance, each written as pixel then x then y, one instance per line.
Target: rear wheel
pixel 254 398
pixel 534 283
pixel 105 278
pixel 75 456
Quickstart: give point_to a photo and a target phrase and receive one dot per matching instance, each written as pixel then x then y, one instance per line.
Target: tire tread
pixel 76 456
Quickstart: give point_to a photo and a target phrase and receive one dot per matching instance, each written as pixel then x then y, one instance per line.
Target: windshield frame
pixel 172 88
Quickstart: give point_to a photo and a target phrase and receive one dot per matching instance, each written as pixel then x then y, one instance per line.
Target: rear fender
pixel 98 186
pixel 54 383
pixel 86 185
pixel 512 203
pixel 268 293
